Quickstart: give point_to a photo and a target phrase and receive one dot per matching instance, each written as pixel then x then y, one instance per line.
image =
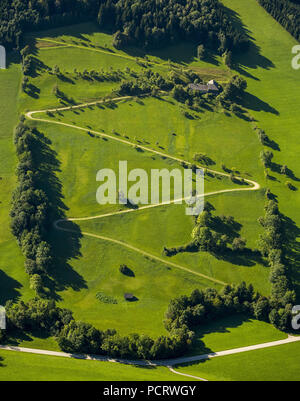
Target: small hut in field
pixel 129 297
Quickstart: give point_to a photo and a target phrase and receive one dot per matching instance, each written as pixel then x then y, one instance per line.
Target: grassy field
pixel 234 332
pixel 271 364
pixel 28 367
pixel 91 266
pixel 274 98
pixel 13 279
pixel 159 124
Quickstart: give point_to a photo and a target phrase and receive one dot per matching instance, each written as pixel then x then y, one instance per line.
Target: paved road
pixel 169 363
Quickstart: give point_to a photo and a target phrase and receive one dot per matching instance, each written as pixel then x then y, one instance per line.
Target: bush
pixel 126 271
pixel 106 299
pixel 80 337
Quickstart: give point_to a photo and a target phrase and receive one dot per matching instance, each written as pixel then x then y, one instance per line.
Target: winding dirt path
pixel 252 185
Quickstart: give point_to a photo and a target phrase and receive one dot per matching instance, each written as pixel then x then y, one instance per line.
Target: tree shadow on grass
pixel 246 257
pixel 12 57
pixel 32 91
pixel 252 58
pixel 292 251
pixel 9 288
pixel 17 336
pixel 276 168
pixel 252 102
pixel 65 244
pixel 219 325
pixel 182 53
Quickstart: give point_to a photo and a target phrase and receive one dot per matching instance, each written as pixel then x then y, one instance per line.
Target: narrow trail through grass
pixel 252 186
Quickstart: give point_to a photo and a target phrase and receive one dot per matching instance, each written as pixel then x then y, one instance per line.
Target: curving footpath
pixel 253 186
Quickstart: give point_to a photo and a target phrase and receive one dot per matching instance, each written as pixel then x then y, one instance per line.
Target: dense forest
pixel 286 12
pixel 153 23
pixel 148 23
pixel 20 16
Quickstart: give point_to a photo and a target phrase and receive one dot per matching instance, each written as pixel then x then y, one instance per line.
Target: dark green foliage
pixel 30 206
pixel 145 82
pixel 272 245
pixel 286 12
pixel 228 59
pixel 78 337
pixel 266 158
pixel 204 306
pixel 126 271
pixel 37 314
pixel 263 137
pixel 19 16
pixel 153 24
pixel 234 90
pixel 139 22
pixel 203 159
pixel 212 234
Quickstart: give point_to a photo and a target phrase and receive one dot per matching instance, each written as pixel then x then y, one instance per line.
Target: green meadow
pixel 91 266
pixel 270 364
pixel 13 280
pixel 274 98
pixel 15 366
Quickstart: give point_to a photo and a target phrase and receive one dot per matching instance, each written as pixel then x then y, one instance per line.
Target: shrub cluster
pixel 203 306
pixel 146 82
pixel 212 234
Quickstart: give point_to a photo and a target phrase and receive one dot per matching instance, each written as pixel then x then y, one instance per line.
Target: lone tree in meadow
pixel 239 244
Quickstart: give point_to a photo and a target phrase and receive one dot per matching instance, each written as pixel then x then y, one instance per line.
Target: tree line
pixel 286 12
pixel 20 16
pixel 41 315
pixel 146 23
pixel 30 212
pixel 204 306
pixel 153 24
pixel 273 244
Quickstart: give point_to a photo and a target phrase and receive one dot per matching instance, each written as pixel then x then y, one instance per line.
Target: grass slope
pixel 226 139
pixel 270 364
pixel 13 279
pixel 274 98
pixel 28 367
